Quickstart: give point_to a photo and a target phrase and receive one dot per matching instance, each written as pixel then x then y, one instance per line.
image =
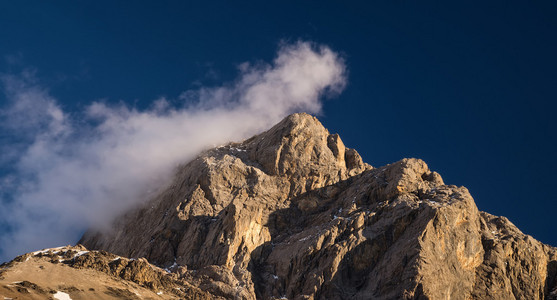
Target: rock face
pixel 292 213
pixel 217 216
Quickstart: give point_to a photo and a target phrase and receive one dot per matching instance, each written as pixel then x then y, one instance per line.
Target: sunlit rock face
pixel 293 213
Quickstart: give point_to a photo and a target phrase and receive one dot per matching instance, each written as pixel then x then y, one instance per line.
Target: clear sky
pixel 470 88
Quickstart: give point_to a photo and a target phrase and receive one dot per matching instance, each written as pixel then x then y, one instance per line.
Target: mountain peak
pixel 300 145
pixel 294 213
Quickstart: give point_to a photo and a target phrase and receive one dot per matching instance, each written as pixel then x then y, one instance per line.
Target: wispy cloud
pixel 80 169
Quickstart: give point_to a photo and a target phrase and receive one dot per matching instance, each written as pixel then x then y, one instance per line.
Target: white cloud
pixel 75 172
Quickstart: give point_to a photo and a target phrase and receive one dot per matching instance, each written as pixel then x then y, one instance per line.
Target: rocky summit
pixel 292 213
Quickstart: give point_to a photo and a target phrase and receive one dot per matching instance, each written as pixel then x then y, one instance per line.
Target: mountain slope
pixel 292 213
pixel 78 273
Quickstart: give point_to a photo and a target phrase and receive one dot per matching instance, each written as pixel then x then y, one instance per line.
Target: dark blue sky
pixel 470 88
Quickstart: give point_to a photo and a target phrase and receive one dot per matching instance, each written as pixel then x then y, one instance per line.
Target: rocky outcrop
pixel 292 213
pixel 515 266
pixel 82 274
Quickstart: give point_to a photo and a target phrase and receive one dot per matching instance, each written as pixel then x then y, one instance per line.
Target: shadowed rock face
pixel 294 213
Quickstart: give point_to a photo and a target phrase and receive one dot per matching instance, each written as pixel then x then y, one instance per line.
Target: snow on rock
pixel 80 253
pixel 54 250
pixel 61 296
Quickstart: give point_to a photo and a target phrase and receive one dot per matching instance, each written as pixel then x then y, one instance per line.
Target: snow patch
pixel 80 253
pixel 174 265
pixel 303 239
pixel 61 296
pixel 55 250
pixel 433 202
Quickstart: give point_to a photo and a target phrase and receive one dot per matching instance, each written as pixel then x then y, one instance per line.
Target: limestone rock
pixel 292 213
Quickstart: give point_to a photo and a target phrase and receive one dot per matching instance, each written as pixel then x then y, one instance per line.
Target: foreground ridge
pixel 82 274
pixel 292 213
